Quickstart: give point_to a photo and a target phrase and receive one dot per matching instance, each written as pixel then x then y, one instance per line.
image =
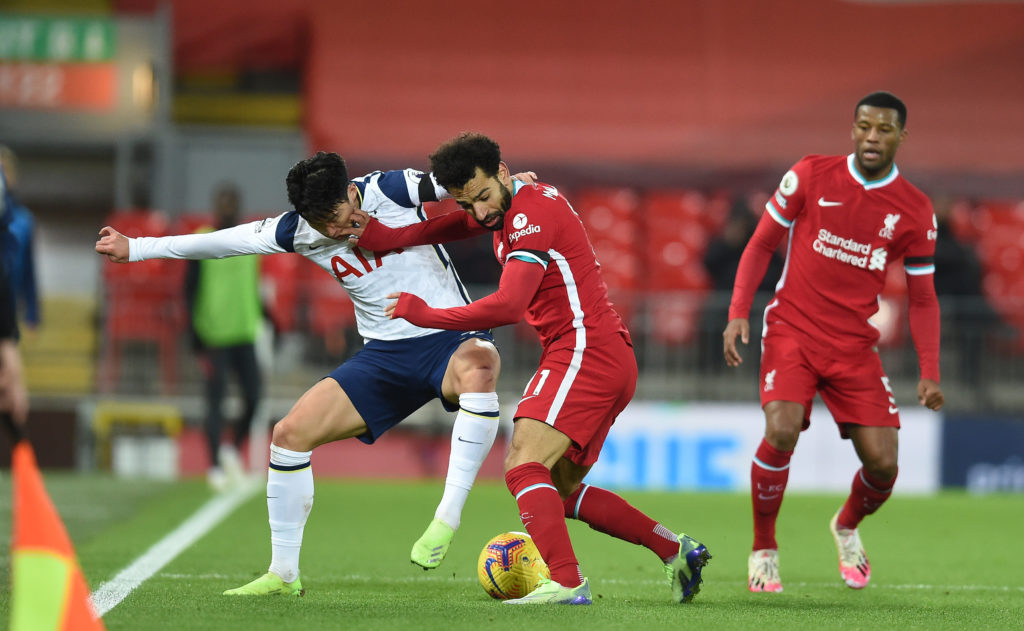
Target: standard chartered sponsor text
pixel 847 249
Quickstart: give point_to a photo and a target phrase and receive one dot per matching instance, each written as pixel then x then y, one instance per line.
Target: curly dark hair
pixel 316 185
pixel 886 100
pixel 455 162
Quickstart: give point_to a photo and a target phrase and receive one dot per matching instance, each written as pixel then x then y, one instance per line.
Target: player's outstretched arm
pixel 255 237
pixel 736 327
pixel 113 244
pixel 373 235
pixel 518 284
pixel 929 394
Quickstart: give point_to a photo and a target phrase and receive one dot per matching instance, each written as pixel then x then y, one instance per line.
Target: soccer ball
pixel 510 566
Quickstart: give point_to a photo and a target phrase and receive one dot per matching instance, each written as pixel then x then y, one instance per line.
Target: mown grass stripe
pixel 109 594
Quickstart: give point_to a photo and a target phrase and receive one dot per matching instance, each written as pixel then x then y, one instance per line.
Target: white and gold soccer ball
pixel 510 566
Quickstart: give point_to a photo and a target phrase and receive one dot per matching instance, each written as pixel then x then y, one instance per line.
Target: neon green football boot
pixel 549 592
pixel 684 572
pixel 429 550
pixel 269 584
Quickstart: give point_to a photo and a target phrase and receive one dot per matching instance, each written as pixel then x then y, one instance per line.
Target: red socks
pixel 867 494
pixel 542 513
pixel 768 475
pixel 606 512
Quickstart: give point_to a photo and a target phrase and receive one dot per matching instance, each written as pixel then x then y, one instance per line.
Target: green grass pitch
pixel 945 562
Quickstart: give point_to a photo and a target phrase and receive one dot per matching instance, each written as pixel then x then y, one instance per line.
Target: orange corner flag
pixel 48 590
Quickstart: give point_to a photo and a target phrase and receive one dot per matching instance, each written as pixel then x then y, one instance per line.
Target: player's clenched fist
pixel 113 244
pixel 929 394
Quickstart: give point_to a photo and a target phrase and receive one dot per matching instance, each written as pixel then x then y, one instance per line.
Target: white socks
pixel 476 425
pixel 289 500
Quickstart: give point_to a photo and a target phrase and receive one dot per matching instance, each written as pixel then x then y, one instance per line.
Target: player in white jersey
pixel 400 367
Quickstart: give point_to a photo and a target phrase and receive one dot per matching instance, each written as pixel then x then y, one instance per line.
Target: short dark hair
pixel 316 185
pixel 455 162
pixel 887 100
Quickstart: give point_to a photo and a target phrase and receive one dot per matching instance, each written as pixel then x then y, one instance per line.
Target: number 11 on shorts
pixel 540 383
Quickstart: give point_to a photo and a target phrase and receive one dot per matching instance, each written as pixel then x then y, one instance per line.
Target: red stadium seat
pixel 281 282
pixel 191 222
pixel 329 309
pixel 675 316
pixel 673 265
pixel 610 218
pixel 138 222
pixel 143 302
pixel 676 240
pixel 610 214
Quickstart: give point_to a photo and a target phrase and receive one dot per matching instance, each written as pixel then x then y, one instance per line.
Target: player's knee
pixel 782 437
pixel 287 435
pixel 882 468
pixel 476 376
pixel 512 460
pixel 476 366
pixel 477 379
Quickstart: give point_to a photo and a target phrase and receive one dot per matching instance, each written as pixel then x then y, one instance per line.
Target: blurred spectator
pixel 13 395
pixel 721 260
pixel 225 311
pixel 967 314
pixel 21 256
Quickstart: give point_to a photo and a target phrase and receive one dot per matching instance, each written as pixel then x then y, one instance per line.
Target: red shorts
pixel 853 387
pixel 580 393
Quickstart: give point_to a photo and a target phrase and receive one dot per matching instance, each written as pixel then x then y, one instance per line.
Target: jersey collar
pixel 893 174
pixel 516 185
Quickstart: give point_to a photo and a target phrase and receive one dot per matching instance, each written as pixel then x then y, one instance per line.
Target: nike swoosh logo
pixel 767 497
pixel 893 409
pixel 824 202
pixel 314 247
pixel 472 442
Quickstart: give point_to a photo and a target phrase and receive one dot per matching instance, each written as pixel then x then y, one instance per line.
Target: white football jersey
pixel 394 199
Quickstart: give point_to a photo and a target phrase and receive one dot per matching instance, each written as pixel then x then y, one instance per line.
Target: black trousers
pixel 218 362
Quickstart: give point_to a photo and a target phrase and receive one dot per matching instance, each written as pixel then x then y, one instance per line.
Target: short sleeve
pixel 788 200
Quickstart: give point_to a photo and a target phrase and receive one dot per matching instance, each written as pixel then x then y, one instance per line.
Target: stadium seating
pixel 328 308
pixel 280 283
pixel 143 302
pixel 676 224
pixel 1000 247
pixel 610 216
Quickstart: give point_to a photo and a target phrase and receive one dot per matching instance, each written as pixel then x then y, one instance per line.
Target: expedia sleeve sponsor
pixel 530 229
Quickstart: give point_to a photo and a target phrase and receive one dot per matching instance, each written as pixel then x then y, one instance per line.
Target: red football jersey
pixel 843 232
pixel 571 308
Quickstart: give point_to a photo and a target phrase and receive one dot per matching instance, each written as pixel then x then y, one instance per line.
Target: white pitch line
pixel 443 578
pixel 111 593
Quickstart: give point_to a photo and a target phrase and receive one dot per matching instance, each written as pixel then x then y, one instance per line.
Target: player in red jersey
pixel 587 371
pixel 848 218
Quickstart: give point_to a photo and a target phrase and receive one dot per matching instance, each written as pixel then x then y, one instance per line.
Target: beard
pixel 882 166
pixel 498 216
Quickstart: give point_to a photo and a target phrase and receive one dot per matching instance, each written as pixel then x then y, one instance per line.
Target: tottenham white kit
pixel 394 199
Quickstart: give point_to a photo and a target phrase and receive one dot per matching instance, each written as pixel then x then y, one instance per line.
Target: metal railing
pixel 678 343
